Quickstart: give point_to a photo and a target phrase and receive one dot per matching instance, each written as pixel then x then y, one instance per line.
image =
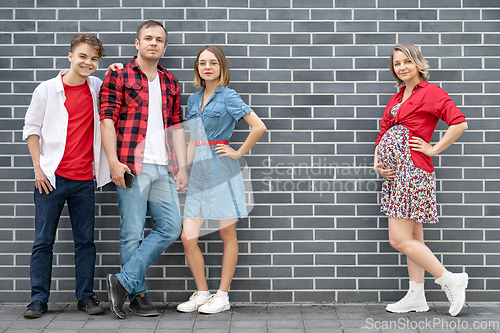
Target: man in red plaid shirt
pixel 142 134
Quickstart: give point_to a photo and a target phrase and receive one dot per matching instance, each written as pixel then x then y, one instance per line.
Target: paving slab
pixel 259 318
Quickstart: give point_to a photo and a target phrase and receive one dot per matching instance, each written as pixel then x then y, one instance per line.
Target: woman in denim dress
pixel 216 190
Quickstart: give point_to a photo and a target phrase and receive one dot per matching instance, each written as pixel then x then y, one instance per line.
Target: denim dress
pixel 216 190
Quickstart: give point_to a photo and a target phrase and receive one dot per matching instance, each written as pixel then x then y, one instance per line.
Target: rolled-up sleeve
pixel 111 96
pixel 448 112
pixel 35 113
pixel 235 105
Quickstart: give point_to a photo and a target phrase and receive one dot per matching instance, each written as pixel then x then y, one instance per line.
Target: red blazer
pixel 420 114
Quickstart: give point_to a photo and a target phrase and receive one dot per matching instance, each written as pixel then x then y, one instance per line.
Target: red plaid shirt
pixel 124 99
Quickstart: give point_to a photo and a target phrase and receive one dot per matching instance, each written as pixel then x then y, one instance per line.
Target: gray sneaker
pixel 91 305
pixel 35 310
pixel 117 295
pixel 141 306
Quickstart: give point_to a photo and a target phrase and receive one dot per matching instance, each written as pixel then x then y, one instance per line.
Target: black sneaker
pixel 117 295
pixel 35 309
pixel 90 305
pixel 141 306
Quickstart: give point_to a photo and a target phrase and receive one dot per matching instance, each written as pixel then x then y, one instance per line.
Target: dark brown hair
pixel 224 67
pixel 150 23
pixel 89 39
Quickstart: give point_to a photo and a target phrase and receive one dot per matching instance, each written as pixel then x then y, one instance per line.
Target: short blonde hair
pixel 415 56
pixel 224 67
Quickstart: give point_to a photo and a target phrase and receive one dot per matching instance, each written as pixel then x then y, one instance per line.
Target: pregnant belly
pixel 393 147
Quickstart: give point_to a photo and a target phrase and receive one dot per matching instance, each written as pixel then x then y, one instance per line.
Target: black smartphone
pixel 129 179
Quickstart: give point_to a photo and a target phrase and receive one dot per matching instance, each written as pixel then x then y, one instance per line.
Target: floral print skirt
pixel 412 193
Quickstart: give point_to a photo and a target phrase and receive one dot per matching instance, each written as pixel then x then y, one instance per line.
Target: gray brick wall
pixel 316 72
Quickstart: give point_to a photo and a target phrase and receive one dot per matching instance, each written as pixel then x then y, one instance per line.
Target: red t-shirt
pixel 420 114
pixel 76 163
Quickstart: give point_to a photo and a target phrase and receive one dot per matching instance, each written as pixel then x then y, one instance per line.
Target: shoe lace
pixel 93 300
pixel 213 298
pixel 195 296
pixel 143 299
pixel 407 297
pixel 448 292
pixel 34 305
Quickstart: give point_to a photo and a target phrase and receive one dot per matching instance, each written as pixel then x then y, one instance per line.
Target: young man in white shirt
pixel 62 131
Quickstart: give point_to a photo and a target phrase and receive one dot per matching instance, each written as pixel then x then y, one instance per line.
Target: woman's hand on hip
pixel 419 144
pixel 223 150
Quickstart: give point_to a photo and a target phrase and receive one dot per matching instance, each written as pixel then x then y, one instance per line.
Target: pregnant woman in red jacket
pixel 403 157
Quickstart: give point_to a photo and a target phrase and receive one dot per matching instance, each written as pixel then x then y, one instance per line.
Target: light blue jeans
pixel 154 189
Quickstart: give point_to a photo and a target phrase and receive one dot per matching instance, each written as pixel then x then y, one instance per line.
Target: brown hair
pixel 224 67
pixel 89 39
pixel 150 23
pixel 415 56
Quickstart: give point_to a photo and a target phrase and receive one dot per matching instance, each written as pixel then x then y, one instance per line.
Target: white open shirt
pixel 47 117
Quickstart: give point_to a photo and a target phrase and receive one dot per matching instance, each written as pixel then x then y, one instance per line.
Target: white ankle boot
pixel 454 285
pixel 413 301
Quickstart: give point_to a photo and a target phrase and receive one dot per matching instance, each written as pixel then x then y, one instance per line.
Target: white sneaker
pixel 454 285
pixel 215 304
pixel 195 301
pixel 414 300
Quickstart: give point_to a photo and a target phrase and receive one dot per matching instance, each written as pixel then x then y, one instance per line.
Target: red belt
pixel 210 143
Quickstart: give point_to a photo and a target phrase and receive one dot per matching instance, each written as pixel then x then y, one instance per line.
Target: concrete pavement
pixel 258 318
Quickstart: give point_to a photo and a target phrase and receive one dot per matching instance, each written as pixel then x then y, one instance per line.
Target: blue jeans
pixel 154 189
pixel 80 198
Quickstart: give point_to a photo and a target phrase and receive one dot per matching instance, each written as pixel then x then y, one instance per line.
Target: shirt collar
pixel 59 83
pixel 421 84
pixel 135 65
pixel 199 94
pixel 217 90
